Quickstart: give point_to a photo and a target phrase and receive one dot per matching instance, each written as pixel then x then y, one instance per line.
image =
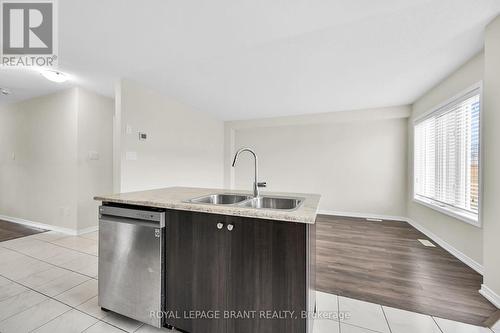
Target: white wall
pixel 95 176
pixel 45 174
pixel 184 147
pixel 462 236
pixel 491 169
pixel 40 184
pixel 356 160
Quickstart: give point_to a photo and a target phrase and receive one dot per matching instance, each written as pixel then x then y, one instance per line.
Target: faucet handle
pixel 261 184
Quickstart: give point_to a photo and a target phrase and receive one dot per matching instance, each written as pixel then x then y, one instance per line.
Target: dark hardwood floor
pixel 9 230
pixel 384 263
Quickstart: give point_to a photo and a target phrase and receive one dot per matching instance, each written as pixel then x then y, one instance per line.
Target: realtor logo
pixel 28 33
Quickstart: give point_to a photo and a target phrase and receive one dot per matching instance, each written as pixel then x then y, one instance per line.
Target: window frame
pixel 449 210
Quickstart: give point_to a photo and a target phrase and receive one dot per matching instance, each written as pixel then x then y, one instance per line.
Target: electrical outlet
pixel 64 212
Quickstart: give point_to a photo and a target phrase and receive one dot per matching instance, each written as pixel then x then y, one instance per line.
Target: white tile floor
pixel 48 283
pixel 359 317
pixel 496 327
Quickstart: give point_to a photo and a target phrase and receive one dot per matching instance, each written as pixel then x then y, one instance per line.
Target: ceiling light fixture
pixel 5 91
pixel 54 76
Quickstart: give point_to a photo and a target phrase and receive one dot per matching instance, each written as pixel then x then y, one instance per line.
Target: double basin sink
pixel 241 200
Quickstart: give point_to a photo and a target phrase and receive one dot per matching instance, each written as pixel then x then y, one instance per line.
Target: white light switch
pixel 128 129
pixel 131 156
pixel 93 155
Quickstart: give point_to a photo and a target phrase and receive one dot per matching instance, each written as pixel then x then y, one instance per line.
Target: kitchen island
pixel 231 267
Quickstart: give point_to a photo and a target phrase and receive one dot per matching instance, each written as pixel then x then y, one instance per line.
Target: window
pixel 447 157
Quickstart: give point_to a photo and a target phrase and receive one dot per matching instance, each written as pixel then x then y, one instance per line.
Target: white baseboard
pixel 68 231
pixel 490 295
pixel 363 215
pixel 452 250
pixel 87 230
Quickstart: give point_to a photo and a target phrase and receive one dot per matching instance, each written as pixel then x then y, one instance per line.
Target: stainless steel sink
pixel 241 200
pixel 221 199
pixel 281 203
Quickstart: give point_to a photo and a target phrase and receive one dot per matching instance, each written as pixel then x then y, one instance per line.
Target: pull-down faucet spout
pixel 256 183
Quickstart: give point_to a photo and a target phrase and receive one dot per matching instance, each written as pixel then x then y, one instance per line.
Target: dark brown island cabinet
pixel 238 274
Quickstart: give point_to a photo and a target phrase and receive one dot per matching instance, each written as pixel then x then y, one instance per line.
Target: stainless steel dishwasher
pixel 131 255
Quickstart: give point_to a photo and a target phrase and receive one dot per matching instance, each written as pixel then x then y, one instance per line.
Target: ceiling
pixel 262 58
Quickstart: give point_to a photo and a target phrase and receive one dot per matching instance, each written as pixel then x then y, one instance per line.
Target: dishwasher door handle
pixel 114 219
pixel 133 216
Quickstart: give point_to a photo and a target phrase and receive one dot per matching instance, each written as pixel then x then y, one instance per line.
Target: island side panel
pixel 311 275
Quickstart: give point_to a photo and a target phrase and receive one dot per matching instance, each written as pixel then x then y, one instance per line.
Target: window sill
pixel 460 215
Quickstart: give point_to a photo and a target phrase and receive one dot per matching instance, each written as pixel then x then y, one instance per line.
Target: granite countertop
pixel 176 197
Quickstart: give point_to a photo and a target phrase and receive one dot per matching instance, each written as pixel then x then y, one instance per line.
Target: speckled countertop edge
pixel 175 197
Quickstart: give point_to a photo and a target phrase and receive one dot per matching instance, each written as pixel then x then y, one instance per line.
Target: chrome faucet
pixel 256 183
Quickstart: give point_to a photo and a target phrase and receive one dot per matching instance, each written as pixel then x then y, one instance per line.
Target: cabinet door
pixel 267 276
pixel 196 268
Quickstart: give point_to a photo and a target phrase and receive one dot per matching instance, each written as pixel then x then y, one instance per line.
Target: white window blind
pixel 447 144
